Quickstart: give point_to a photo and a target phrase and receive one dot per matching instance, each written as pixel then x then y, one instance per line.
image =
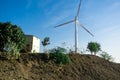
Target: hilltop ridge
pixel 82 67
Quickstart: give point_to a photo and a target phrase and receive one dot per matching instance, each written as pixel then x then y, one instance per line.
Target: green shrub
pixel 11 51
pixel 59 56
pixel 58 49
pixel 106 56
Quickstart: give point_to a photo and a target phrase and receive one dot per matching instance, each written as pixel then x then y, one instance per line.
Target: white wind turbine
pixel 76 27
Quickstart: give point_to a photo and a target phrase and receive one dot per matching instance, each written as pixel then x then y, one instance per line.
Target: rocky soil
pixel 35 67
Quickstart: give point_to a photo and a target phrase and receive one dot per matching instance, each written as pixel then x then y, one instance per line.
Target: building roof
pixel 32 36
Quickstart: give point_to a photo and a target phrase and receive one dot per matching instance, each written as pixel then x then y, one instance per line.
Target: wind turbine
pixel 76 21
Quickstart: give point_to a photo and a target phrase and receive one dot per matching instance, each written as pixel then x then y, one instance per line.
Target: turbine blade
pixel 65 23
pixel 78 8
pixel 85 29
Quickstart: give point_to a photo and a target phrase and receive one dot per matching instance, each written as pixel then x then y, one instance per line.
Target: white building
pixel 32 44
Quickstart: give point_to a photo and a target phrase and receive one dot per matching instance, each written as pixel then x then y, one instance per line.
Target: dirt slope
pixel 83 67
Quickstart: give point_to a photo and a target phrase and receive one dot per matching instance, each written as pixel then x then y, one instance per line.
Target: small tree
pixel 106 56
pixel 93 47
pixel 46 42
pixel 11 33
pixel 12 39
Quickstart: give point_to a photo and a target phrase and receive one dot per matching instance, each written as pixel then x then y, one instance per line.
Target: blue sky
pixel 38 17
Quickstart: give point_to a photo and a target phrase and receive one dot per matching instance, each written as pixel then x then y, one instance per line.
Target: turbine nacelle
pixel 76 18
pixel 77 21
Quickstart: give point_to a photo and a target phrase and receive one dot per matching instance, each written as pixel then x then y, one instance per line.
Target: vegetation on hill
pixel 11 33
pixel 12 40
pixel 106 56
pixel 82 67
pixel 45 42
pixel 93 47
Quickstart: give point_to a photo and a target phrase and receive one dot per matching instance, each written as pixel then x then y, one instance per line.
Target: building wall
pixel 36 44
pixel 29 42
pixel 32 44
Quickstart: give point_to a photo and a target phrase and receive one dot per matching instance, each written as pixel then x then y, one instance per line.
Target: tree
pixel 106 56
pixel 11 33
pixel 46 42
pixel 93 47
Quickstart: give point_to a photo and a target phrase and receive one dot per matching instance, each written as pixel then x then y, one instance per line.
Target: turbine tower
pixel 76 21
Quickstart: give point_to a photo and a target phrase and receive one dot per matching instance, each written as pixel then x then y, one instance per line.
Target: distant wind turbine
pixel 76 27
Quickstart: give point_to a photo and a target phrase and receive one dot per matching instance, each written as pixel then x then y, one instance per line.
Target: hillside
pixel 83 67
